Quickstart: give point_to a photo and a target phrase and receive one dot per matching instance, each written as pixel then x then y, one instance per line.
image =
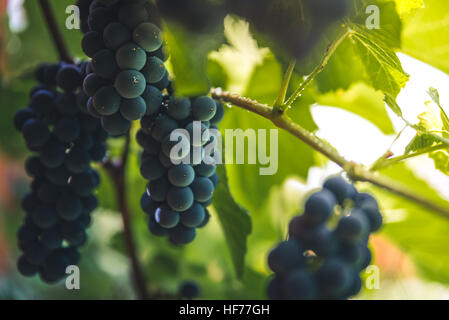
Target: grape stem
pixel 355 171
pixel 386 162
pixel 50 20
pixel 117 172
pixel 332 47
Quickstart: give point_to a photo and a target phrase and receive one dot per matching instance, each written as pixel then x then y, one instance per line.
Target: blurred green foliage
pixel 235 242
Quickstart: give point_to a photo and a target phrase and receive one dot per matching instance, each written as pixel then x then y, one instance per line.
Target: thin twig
pixel 327 56
pixel 63 52
pixel 391 161
pixel 355 171
pixel 117 172
pixel 284 87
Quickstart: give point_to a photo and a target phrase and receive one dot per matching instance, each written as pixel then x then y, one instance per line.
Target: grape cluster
pixel 327 246
pixel 65 142
pixel 182 180
pixel 126 74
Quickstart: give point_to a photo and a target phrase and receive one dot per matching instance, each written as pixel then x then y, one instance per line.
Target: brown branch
pixel 50 20
pixel 355 171
pixel 117 172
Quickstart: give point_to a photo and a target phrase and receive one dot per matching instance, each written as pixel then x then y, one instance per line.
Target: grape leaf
pixel 234 220
pixel 382 65
pixel 425 35
pixel 433 93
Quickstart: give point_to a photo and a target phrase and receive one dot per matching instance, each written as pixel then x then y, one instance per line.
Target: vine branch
pixel 117 172
pixel 50 20
pixel 355 171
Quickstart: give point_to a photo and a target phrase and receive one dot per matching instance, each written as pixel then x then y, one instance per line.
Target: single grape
pixel 99 18
pixel 162 127
pixel 354 227
pixel 300 285
pixel 48 192
pixel 133 109
pixel 130 84
pixel 181 235
pixel 77 160
pixel 218 115
pixel 198 132
pixel 158 189
pixel 340 188
pixel 181 175
pixel 104 65
pixel 194 216
pixel 153 70
pixel 180 199
pixel 92 83
pixel 203 108
pixel 287 256
pixel 115 124
pixel 22 116
pixel 152 169
pixel 130 56
pixel 115 35
pixel 67 130
pixel 202 188
pixel 166 217
pixel 51 238
pixel 148 36
pixel 35 133
pixel 189 290
pixel 42 102
pixel 53 154
pixel 26 268
pixel 132 15
pixel 69 207
pixel 69 78
pixel 153 99
pixel 92 43
pixel 106 101
pixel 205 170
pixel 179 109
pixel 319 206
pixel 44 216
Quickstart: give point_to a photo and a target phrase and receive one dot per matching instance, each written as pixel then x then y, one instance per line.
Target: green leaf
pixel 419 142
pixel 362 100
pixel 422 234
pixel 382 65
pixel 189 58
pixel 433 93
pixel 394 106
pixel 441 159
pixel 425 35
pixel 235 221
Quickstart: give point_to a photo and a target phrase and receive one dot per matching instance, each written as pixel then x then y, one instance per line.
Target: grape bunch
pixel 327 246
pixel 182 180
pixel 127 73
pixel 64 142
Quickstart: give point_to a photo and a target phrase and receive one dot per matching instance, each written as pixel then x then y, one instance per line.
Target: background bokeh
pixel 411 251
